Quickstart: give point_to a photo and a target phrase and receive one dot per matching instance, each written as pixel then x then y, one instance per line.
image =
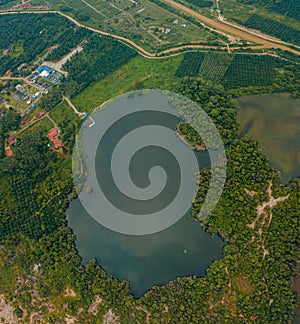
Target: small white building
pixel 44 74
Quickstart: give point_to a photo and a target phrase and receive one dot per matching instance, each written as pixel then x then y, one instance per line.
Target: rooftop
pixel 11 140
pixel 53 133
pixel 8 151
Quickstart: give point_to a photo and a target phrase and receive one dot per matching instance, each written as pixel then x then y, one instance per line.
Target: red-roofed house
pixel 8 151
pixel 52 134
pixel 11 140
pixel 25 5
pixel 58 144
pixel 25 120
pixel 38 115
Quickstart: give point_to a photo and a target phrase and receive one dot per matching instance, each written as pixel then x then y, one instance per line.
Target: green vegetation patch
pixel 201 3
pixel 251 70
pixel 27 36
pixel 290 8
pixel 274 28
pixel 101 56
pixel 137 73
pixel 68 41
pixel 190 65
pixel 215 66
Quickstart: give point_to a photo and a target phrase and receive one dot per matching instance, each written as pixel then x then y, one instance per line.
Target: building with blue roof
pixel 44 68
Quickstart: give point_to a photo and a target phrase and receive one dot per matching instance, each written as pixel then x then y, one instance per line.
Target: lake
pixel 145 260
pixel 183 249
pixel 274 120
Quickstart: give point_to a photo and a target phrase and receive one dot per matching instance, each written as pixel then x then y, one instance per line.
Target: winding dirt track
pixel 173 51
pixel 231 30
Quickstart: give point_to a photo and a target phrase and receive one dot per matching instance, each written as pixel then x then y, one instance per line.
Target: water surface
pixel 181 250
pixel 145 260
pixel 274 120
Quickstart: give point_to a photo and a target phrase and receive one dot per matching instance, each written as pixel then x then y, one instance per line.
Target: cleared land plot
pixel 104 7
pixel 144 22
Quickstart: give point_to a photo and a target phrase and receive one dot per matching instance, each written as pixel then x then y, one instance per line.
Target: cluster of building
pixel 42 80
pixel 26 119
pixel 10 142
pixel 175 22
pixel 49 74
pixel 21 93
pixel 44 77
pixel 54 137
pixel 25 67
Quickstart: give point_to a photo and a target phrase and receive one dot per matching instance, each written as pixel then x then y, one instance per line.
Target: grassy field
pixel 139 72
pixel 63 113
pixel 143 22
pixel 44 124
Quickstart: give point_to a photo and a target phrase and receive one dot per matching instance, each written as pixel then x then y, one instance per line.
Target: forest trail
pixel 73 107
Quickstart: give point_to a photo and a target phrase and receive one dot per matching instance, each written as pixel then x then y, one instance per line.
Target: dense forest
pixel 289 8
pixel 260 3
pixel 217 103
pixel 190 65
pixel 250 70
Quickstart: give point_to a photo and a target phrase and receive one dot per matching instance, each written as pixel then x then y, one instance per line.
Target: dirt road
pixel 215 23
pixel 230 29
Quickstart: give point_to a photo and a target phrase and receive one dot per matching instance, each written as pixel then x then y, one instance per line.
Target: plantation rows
pixel 101 56
pixel 233 71
pixel 29 207
pixel 201 3
pixel 68 41
pixel 290 8
pixel 251 70
pixel 190 65
pixel 215 66
pixel 274 28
